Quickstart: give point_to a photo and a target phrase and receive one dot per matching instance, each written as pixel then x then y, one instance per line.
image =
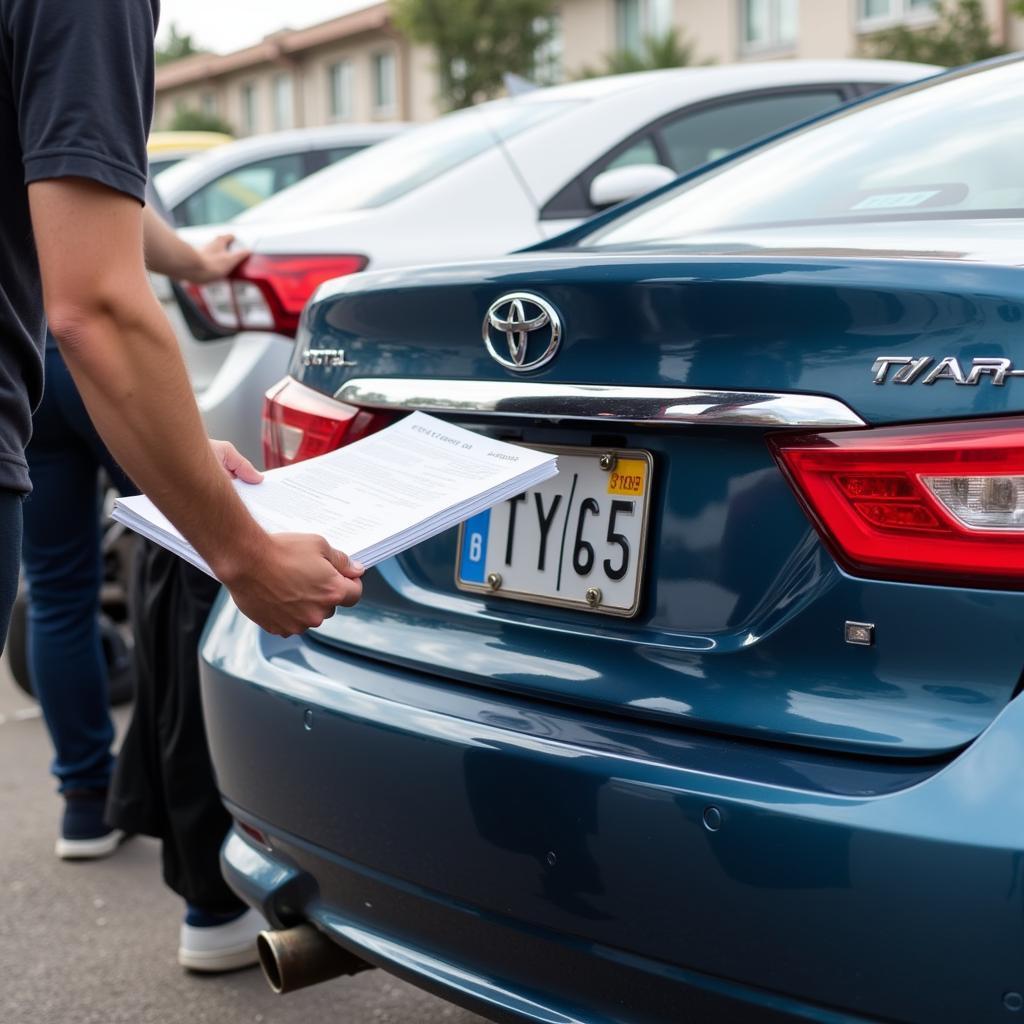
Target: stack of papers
pixel 377 497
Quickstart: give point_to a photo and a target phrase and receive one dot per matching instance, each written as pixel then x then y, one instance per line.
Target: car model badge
pixel 333 357
pixel 526 327
pixel 928 370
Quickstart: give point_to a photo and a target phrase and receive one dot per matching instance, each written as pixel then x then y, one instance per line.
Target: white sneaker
pixel 84 835
pixel 221 947
pixel 89 849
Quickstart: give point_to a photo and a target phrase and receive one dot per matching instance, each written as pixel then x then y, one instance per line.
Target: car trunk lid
pixel 690 365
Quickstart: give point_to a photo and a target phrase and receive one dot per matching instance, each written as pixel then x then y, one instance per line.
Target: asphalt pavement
pixel 95 943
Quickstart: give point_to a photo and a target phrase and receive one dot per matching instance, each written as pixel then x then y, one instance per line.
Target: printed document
pixel 376 497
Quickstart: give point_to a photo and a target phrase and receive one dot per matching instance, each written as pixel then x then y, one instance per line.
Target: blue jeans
pixel 10 548
pixel 64 569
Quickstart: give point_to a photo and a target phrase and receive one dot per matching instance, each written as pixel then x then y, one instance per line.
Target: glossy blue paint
pixel 810 324
pixel 718 810
pixel 741 629
pixel 416 823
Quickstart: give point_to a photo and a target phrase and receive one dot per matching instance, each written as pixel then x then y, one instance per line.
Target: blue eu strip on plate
pixel 472 564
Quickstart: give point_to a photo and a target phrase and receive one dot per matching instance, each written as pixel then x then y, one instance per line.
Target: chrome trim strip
pixel 599 402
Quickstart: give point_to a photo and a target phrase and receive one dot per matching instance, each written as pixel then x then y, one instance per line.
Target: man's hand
pixel 298 579
pixel 168 254
pixel 297 582
pixel 217 259
pixel 125 360
pixel 235 464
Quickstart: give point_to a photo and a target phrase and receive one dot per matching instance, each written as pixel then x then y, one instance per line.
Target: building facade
pixel 359 67
pixel 726 31
pixel 354 68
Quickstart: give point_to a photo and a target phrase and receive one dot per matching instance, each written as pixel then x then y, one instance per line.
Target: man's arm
pixel 168 254
pixel 125 360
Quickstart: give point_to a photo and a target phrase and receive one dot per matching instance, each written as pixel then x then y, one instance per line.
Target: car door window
pixel 340 153
pixel 240 189
pixel 695 138
pixel 691 137
pixel 643 151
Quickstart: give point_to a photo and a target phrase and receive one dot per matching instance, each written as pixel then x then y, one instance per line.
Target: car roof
pixel 987 240
pixel 587 104
pixel 165 142
pixel 179 181
pixel 734 77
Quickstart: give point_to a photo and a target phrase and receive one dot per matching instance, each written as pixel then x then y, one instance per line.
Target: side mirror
pixel 622 183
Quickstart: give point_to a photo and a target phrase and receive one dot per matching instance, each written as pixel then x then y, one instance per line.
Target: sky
pixel 226 25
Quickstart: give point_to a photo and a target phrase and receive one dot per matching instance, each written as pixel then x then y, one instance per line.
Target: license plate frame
pixel 526 596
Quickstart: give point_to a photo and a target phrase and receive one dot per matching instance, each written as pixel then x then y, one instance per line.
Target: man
pixel 76 100
pixel 63 566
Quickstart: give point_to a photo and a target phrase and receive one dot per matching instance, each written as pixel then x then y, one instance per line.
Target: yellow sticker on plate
pixel 629 477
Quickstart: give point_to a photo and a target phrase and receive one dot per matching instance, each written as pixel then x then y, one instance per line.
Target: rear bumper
pixel 254 362
pixel 541 864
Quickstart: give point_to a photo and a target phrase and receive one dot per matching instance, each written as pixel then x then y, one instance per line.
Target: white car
pixel 489 180
pixel 219 183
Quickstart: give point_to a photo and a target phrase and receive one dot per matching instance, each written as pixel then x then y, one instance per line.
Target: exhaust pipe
pixel 294 958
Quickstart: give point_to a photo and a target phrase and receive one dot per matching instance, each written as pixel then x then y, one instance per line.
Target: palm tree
pixel 669 50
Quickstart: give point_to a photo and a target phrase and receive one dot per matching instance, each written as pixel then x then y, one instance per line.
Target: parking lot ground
pixel 95 943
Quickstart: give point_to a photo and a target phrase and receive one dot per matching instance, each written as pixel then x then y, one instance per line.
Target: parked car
pixel 724 724
pixel 485 181
pixel 169 148
pixel 215 186
pixel 221 183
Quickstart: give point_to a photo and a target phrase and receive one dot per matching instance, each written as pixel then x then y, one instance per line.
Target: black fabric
pixel 164 784
pixel 10 556
pixel 76 100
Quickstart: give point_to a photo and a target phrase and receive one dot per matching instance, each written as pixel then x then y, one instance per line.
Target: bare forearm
pixel 126 364
pixel 125 359
pixel 166 253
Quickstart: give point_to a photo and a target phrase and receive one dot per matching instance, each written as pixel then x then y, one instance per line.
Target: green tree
pixel 191 120
pixel 960 34
pixel 178 45
pixel 477 42
pixel 670 50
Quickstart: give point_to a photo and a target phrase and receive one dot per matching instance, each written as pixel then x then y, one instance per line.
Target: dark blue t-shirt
pixel 76 100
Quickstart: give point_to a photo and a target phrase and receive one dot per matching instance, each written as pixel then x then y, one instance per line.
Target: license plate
pixel 577 540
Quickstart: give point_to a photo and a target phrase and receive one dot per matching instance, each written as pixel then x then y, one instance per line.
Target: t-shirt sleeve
pixel 83 84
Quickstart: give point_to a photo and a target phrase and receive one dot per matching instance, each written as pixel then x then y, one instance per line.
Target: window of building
pixel 208 102
pixel 284 105
pixel 874 14
pixel 548 61
pixel 250 110
pixel 384 86
pixel 769 24
pixel 340 89
pixel 636 21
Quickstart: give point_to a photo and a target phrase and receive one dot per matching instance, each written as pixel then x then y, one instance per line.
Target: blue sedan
pixel 721 724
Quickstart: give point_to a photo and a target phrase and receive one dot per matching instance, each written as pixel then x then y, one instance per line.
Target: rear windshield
pixel 394 168
pixel 951 148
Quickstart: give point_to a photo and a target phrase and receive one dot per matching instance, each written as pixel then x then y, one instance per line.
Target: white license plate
pixel 577 540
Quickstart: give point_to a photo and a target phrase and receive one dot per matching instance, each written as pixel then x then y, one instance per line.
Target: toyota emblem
pixel 522 331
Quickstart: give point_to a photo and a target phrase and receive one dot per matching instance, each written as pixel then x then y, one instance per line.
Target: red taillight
pixel 253 833
pixel 268 293
pixel 943 502
pixel 300 423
